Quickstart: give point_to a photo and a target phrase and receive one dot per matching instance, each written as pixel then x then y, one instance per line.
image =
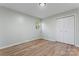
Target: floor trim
pixel 17 43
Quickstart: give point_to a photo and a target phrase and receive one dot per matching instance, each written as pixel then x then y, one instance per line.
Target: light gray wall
pixel 16 28
pixel 77 27
pixel 49 31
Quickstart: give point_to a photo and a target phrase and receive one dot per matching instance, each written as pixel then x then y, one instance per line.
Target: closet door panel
pixel 68 35
pixel 59 30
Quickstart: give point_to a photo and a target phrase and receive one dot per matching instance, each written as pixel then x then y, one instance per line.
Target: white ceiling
pixel 35 10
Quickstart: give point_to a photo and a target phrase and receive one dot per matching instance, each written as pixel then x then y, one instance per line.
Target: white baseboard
pixel 18 43
pixel 48 39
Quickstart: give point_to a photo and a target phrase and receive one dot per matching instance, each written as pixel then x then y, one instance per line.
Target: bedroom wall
pixel 16 28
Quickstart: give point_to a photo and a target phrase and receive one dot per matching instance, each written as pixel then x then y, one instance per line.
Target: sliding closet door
pixel 68 29
pixel 65 30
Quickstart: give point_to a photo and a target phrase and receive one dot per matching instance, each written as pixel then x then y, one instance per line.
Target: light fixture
pixel 42 4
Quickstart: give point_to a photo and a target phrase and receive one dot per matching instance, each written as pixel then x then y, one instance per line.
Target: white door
pixel 59 30
pixel 65 30
pixel 68 30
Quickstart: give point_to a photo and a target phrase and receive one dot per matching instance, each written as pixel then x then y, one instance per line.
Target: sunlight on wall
pixel 38 24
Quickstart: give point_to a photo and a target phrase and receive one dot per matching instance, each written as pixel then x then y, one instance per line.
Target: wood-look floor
pixel 41 47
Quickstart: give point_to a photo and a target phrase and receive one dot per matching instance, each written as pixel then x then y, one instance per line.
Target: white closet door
pixel 65 30
pixel 59 30
pixel 68 36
